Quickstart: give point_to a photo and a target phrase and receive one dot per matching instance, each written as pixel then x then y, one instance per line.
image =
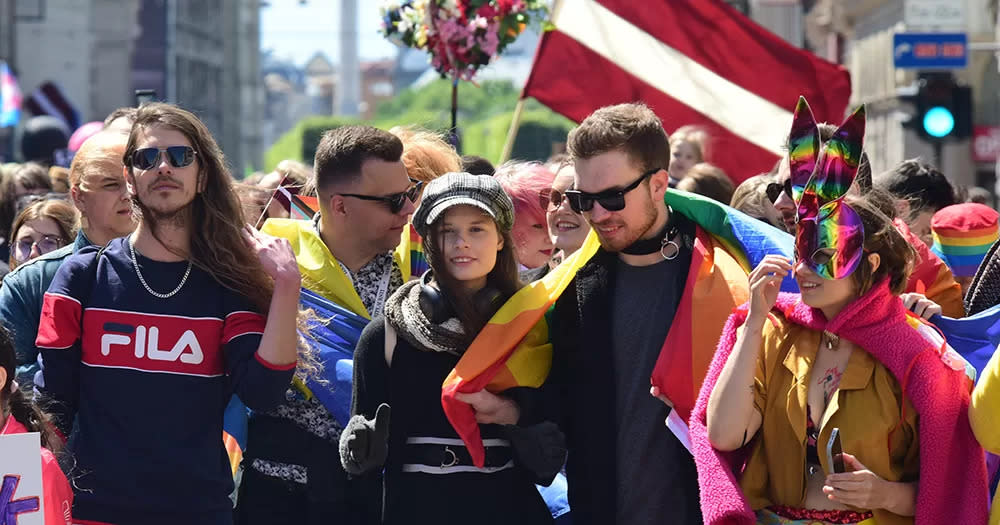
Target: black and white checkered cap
pixel 454 189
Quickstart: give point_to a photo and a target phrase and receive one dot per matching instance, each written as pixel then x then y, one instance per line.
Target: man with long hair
pixel 346 255
pixel 146 340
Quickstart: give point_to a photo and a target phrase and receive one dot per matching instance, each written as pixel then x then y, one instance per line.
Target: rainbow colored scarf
pixel 513 349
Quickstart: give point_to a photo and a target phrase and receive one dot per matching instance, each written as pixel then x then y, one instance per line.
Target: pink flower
pixel 490 40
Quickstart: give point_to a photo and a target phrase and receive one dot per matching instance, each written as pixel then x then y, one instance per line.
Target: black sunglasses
pixel 396 201
pixel 611 200
pixel 774 190
pixel 178 156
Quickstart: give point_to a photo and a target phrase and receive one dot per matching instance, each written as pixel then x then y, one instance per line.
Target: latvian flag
pixel 693 62
pixel 48 99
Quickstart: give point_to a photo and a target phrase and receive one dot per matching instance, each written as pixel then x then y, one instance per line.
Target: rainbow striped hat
pixel 963 233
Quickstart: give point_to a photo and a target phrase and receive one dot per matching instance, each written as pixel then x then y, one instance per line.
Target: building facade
pixel 83 46
pixel 861 32
pixel 204 56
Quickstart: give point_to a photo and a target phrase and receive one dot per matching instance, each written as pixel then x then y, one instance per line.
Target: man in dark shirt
pixel 145 342
pixel 625 323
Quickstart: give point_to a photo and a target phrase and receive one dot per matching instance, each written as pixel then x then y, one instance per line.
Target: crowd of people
pixel 709 352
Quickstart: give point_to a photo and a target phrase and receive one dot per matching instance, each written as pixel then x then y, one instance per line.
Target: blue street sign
pixel 930 50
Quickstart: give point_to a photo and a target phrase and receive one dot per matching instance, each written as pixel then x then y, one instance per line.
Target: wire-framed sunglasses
pixel 550 198
pixel 396 201
pixel 177 156
pixel 611 200
pixel 48 243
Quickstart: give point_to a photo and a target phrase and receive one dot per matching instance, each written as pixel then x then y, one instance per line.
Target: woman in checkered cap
pixel 401 362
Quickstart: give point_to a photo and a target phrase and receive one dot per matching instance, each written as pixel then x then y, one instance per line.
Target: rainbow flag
pixel 411 252
pixel 299 207
pixel 976 338
pixel 513 349
pixel 10 97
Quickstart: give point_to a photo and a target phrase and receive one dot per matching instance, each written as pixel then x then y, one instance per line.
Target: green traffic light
pixel 939 122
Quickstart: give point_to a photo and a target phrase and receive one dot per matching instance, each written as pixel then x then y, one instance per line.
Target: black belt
pixel 446 455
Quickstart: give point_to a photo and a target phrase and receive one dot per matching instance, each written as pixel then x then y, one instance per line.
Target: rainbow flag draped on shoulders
pixel 513 349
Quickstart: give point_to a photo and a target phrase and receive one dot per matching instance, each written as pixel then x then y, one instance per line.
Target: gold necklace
pixel 832 341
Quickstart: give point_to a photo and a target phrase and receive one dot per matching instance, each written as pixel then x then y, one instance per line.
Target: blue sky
pixel 296 31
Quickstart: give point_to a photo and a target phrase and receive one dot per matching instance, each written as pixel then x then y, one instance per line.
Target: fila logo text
pixel 147 344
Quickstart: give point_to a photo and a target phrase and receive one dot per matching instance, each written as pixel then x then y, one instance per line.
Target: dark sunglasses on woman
pixel 396 201
pixel 177 156
pixel 774 190
pixel 611 200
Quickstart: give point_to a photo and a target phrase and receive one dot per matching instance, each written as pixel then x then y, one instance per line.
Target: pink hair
pixel 524 182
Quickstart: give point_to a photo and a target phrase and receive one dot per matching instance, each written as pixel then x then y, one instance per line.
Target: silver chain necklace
pixel 172 293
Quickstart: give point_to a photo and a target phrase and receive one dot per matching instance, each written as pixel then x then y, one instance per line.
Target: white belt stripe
pixel 642 55
pixel 429 469
pixel 453 441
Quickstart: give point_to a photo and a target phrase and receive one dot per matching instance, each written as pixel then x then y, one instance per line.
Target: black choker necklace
pixel 664 242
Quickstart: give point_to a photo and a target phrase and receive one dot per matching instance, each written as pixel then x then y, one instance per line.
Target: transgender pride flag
pixel 10 97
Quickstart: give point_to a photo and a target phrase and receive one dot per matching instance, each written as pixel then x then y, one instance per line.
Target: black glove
pixel 540 449
pixel 364 444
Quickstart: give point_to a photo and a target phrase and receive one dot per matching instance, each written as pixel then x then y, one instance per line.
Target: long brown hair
pixel 224 254
pixel 16 404
pixel 216 209
pixel 896 256
pixel 503 279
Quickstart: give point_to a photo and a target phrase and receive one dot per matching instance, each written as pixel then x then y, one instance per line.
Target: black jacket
pixel 580 395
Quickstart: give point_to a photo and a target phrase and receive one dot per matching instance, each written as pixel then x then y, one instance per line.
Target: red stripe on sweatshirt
pixel 153 343
pixel 242 323
pixel 59 326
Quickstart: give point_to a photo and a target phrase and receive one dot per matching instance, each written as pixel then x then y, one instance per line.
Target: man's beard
pixel 633 232
pixel 176 218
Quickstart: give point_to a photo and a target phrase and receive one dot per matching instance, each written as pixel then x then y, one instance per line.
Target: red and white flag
pixel 693 62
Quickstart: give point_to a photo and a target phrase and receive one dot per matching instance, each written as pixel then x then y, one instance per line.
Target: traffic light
pixel 943 108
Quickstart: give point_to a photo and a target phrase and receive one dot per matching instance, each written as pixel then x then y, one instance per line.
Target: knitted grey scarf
pixel 402 311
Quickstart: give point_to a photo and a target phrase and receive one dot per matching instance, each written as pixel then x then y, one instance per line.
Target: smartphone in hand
pixel 835 452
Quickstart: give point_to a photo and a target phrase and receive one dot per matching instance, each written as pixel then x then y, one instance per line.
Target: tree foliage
pixel 485 112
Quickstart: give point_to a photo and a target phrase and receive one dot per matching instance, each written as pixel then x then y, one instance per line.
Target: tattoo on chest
pixel 830 380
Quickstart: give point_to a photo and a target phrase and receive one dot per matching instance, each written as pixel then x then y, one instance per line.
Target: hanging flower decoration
pixel 461 36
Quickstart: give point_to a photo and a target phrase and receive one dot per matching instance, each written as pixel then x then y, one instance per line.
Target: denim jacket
pixel 21 305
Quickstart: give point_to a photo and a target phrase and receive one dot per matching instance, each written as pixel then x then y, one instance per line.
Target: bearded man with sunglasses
pixel 346 254
pixel 625 324
pixel 146 340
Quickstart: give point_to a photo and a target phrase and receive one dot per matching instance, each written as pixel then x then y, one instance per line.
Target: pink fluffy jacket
pixel 953 484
